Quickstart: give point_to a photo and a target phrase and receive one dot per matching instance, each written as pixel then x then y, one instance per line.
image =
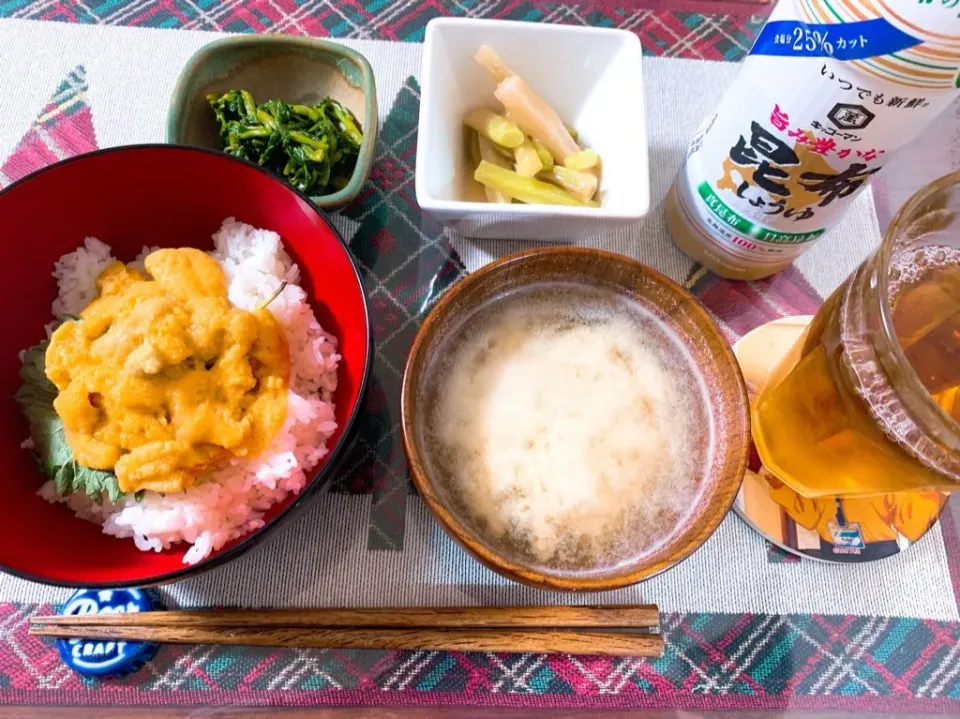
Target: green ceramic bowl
pixel 293 69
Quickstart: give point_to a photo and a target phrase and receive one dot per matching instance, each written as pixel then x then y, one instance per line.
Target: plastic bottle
pixel 829 92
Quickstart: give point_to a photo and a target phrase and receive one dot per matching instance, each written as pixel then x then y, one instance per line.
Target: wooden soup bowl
pixel 724 442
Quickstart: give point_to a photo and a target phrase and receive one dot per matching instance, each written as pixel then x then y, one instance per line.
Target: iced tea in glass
pixel 866 402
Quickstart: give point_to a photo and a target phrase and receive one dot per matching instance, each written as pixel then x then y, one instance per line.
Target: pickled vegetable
pixel 527 154
pixel 489 153
pixel 546 159
pixel 494 127
pixel 525 189
pixel 582 184
pixel 583 160
pixel 528 161
pixel 535 117
pixel 492 62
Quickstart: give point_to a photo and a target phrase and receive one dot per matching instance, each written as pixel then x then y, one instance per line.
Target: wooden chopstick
pixel 611 643
pixel 609 631
pixel 606 617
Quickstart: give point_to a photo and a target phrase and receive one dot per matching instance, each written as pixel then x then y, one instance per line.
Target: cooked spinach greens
pixel 50 446
pixel 314 148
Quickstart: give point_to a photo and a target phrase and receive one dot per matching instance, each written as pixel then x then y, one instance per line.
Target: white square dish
pixel 593 79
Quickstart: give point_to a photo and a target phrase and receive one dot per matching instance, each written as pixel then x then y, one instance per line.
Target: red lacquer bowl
pixel 129 197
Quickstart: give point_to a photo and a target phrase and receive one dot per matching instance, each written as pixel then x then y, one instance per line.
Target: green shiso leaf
pixel 50 445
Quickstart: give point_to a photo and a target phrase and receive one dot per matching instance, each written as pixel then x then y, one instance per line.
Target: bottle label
pixel 820 104
pixel 850 41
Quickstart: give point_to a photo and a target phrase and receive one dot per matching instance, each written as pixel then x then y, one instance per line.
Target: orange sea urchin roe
pixel 162 375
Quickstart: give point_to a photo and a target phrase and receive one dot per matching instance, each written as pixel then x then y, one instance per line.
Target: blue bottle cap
pixel 102 659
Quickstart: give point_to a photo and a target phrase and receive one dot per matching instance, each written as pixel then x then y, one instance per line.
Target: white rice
pixel 232 501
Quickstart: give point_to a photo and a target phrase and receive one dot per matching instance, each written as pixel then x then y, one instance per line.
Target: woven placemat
pixel 744 629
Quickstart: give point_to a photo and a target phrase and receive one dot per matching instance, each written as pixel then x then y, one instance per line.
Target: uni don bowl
pixel 129 198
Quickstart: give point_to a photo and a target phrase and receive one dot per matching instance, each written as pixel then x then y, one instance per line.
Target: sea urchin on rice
pixel 232 498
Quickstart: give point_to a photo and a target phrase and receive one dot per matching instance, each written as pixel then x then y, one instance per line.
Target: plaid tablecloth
pixel 745 628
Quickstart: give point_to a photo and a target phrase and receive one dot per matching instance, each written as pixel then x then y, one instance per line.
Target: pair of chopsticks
pixel 609 631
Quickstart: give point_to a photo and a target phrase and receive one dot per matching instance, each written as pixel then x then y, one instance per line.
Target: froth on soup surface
pixel 570 426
